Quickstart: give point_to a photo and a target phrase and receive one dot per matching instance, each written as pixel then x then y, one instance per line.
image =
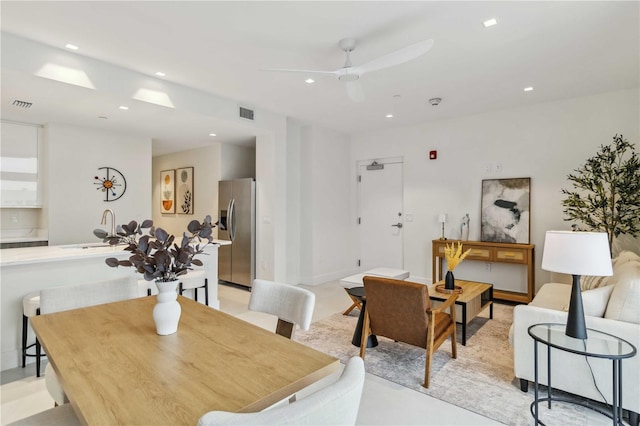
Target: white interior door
pixel 381 217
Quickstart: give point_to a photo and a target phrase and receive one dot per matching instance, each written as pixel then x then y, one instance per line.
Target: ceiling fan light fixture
pixel 348 77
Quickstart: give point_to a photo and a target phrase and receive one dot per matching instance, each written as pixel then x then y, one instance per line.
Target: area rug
pixel 481 379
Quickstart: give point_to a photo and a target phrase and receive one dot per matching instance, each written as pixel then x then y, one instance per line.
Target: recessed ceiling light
pixel 490 22
pixel 212 134
pixel 309 81
pixel 71 46
pixel 528 89
pixel 160 74
pixel 124 107
pixel 389 116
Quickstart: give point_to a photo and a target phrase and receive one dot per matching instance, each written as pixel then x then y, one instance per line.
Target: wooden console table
pixel 491 252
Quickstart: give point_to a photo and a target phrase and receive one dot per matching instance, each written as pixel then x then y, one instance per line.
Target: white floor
pixel 383 402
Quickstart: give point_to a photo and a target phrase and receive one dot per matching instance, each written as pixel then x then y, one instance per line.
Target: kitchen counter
pixel 30 269
pixel 31 255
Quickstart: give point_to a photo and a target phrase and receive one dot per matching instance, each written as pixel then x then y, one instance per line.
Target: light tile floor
pixel 383 402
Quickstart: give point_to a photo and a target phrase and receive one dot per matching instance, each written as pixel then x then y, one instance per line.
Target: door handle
pixel 398 225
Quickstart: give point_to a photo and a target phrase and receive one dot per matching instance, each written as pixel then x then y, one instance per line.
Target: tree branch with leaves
pixel 606 195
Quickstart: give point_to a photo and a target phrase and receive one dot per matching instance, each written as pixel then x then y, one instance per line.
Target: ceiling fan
pixel 351 74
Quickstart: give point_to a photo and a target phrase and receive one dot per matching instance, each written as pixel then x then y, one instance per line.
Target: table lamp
pixel 442 218
pixel 577 253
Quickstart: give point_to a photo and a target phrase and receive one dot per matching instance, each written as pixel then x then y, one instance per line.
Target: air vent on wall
pixel 246 113
pixel 21 104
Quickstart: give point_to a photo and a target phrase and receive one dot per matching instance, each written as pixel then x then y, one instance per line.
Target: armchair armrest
pixel 448 303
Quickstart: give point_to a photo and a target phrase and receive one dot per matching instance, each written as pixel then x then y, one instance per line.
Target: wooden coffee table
pixel 475 297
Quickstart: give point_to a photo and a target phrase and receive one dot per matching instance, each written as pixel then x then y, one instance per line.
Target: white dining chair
pixel 292 305
pixel 64 298
pixel 335 404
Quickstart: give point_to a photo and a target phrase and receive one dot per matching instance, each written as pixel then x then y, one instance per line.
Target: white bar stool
pixel 193 280
pixel 30 308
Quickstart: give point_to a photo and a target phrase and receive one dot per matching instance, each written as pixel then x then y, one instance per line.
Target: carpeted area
pixel 481 379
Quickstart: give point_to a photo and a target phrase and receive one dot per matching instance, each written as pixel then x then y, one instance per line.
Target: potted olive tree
pixel 606 191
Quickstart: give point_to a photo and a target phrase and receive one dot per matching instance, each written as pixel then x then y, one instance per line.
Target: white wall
pixel 206 174
pixel 237 162
pixel 73 157
pixel 327 244
pixel 545 142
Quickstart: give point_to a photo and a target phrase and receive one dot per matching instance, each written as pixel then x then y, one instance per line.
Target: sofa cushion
pixel 588 282
pixel 552 296
pixel 594 302
pixel 624 303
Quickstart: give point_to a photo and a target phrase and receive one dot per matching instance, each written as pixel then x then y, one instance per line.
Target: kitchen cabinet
pixel 20 165
pixel 522 254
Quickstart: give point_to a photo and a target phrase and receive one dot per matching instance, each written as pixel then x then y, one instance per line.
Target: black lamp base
pixel 576 326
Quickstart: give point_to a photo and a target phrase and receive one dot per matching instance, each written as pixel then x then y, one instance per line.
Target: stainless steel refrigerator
pixel 237 223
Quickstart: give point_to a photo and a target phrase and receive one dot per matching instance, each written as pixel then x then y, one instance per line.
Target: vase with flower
pixel 157 256
pixel 453 255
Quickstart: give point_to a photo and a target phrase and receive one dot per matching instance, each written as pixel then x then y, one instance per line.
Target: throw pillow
pixel 624 303
pixel 594 302
pixel 589 282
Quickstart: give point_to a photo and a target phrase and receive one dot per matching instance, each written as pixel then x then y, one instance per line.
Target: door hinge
pixel 358 262
pixel 359 221
pixel 359 178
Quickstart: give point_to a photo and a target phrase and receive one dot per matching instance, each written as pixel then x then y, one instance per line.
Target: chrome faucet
pixel 113 221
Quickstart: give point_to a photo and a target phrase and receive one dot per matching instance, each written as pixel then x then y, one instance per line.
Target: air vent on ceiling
pixel 246 113
pixel 21 104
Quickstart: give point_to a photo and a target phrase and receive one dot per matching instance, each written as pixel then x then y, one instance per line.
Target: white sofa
pixel 612 305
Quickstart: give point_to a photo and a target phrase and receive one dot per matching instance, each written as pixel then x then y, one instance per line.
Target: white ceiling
pixel 562 49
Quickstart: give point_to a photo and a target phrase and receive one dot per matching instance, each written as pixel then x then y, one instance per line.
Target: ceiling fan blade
pixel 396 58
pixel 354 90
pixel 304 71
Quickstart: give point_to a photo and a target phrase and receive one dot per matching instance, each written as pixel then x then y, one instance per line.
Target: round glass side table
pixel 597 345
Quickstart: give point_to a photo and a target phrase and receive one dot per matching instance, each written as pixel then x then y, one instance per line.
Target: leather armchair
pixel 401 311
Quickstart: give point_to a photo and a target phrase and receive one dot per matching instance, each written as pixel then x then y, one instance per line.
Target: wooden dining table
pixel 115 369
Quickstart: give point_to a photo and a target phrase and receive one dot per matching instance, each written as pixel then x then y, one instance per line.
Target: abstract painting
pixel 505 210
pixel 167 191
pixel 184 190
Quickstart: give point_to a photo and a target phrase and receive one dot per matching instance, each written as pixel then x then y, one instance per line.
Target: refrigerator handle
pixel 227 223
pixel 232 219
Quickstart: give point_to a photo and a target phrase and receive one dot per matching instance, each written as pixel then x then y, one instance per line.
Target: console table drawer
pixel 511 255
pixel 478 253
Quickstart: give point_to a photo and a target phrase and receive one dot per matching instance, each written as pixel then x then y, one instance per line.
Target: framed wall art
pixel 184 190
pixel 168 191
pixel 505 210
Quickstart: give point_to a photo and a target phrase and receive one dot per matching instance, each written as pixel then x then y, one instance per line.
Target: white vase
pixel 464 232
pixel 166 313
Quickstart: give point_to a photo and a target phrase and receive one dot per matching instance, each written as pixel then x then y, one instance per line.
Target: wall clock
pixel 111 182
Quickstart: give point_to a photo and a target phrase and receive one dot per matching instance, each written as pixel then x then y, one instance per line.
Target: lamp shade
pixel 442 217
pixel 577 253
